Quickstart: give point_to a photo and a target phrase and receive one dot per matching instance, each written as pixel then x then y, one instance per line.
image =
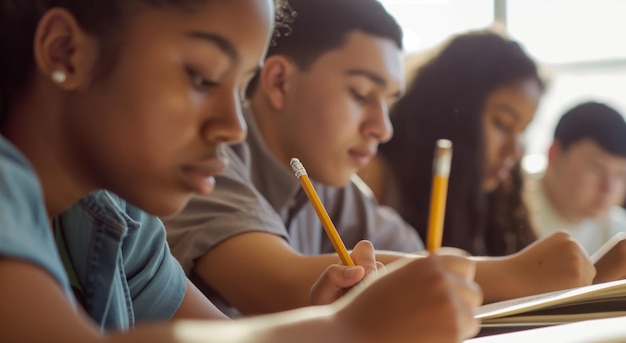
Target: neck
pixel 35 127
pixel 555 200
pixel 269 128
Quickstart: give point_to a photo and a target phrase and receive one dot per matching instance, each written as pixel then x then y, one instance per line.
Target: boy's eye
pixel 199 82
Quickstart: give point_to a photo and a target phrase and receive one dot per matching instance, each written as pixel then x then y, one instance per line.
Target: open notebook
pixel 604 300
pixel 608 330
pixel 595 313
pixel 591 302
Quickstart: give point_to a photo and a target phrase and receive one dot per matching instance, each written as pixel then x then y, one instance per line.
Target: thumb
pixel 334 282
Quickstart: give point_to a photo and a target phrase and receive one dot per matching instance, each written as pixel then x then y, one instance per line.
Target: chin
pixel 490 185
pixel 170 205
pixel 598 213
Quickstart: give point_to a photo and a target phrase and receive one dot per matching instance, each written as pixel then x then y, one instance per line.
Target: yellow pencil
pixel 330 229
pixel 441 173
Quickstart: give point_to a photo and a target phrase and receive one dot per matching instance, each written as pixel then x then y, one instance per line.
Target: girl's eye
pixel 358 97
pixel 199 82
pixel 502 126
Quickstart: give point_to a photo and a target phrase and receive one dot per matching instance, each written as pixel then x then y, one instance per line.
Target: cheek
pixel 582 185
pixel 153 107
pixel 493 146
pixel 324 117
pixel 320 134
pixel 156 127
pixel 619 189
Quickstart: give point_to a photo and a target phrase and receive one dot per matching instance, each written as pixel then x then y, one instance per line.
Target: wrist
pixel 345 325
pixel 342 326
pixel 499 278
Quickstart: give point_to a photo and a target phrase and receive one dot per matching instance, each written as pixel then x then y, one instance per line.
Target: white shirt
pixel 590 233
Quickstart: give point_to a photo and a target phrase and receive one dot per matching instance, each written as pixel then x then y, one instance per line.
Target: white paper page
pixel 607 246
pixel 611 330
pixel 532 302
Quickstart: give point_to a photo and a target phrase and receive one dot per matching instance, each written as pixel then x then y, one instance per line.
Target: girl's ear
pixel 63 52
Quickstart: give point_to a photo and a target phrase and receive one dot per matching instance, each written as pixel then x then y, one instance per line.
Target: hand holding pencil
pixel 396 293
pixel 330 229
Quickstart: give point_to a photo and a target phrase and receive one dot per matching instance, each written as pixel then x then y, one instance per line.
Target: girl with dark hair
pixel 108 103
pixel 480 91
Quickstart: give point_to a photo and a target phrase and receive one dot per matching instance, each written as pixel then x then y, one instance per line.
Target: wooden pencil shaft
pixel 441 172
pixel 437 213
pixel 328 225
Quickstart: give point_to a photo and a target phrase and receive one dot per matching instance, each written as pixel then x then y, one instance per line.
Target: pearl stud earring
pixel 59 76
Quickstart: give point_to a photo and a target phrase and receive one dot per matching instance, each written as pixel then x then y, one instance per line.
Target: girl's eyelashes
pixel 358 96
pixel 500 125
pixel 198 82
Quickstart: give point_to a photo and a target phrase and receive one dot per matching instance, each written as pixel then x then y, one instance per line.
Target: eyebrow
pixel 221 42
pixel 375 78
pixel 508 110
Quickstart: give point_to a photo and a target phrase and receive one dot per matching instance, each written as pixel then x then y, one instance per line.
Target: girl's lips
pixel 200 177
pixel 503 172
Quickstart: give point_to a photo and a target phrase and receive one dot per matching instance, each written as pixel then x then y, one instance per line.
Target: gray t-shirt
pixel 257 193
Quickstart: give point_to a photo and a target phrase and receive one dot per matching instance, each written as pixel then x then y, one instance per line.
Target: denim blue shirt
pixel 117 252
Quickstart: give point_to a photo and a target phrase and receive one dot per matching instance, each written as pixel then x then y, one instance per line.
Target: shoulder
pixel 102 213
pixel 20 193
pixel 25 233
pixel 18 180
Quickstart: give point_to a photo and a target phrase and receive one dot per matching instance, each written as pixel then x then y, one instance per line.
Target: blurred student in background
pixel 585 183
pixel 480 91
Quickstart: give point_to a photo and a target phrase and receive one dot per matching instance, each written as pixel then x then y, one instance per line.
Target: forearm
pixel 493 274
pixel 196 306
pixel 287 287
pixel 311 324
pixel 554 263
pixel 496 279
pixel 268 282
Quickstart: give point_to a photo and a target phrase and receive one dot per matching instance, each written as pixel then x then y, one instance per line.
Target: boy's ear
pixel 63 52
pixel 275 79
pixel 554 151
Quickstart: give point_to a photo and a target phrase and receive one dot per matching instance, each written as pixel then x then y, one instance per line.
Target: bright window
pixel 579 41
pixel 427 23
pixel 565 31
